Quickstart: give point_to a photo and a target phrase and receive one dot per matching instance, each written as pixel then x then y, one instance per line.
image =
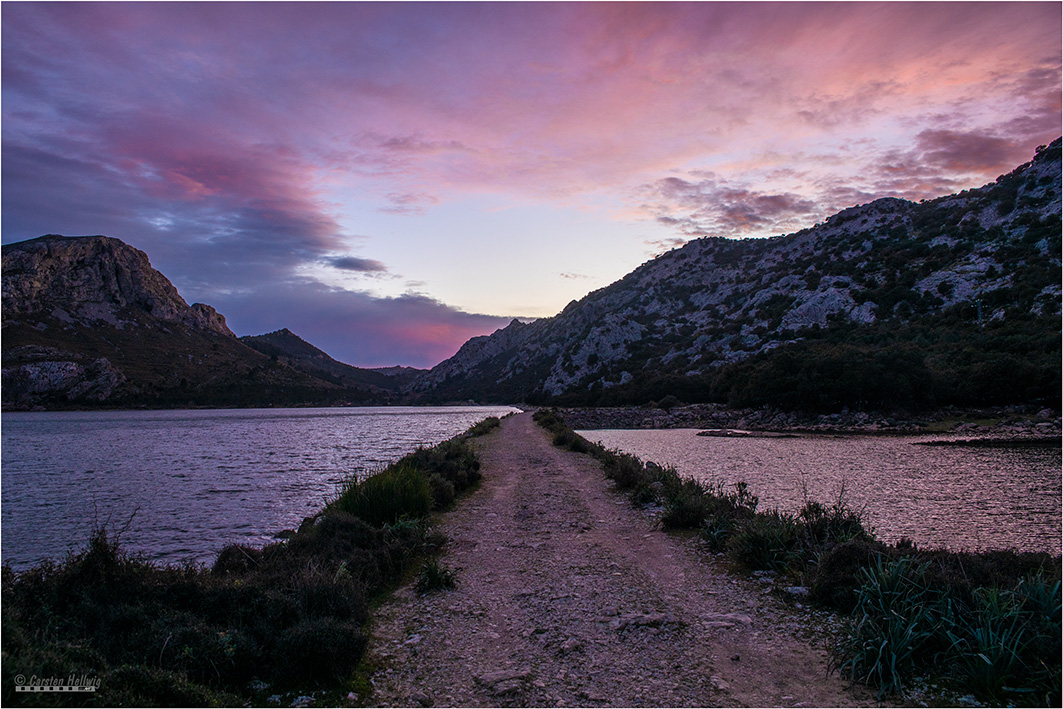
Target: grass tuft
pixel 435 577
pixel 398 493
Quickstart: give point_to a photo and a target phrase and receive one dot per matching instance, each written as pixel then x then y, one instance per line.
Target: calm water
pixel 196 479
pixel 957 497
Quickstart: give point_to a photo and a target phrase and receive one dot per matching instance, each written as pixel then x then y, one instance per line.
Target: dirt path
pixel 569 597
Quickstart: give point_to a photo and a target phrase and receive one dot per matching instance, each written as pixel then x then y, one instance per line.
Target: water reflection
pixel 958 497
pixel 195 479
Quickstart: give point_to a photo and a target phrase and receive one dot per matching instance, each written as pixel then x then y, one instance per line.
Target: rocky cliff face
pixel 991 254
pixel 88 322
pixel 89 280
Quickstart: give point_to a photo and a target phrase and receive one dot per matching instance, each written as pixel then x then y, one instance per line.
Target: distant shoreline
pixel 1001 424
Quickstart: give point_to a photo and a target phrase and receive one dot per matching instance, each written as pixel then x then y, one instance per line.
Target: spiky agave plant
pixel 897 618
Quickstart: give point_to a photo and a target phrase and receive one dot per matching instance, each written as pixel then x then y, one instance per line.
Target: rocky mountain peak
pixel 681 320
pixel 92 279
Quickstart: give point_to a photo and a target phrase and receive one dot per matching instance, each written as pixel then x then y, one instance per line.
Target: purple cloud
pixel 357 328
pixel 715 207
pixel 358 265
pixel 409 203
pixel 967 152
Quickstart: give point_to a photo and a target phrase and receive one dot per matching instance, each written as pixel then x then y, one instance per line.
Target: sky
pixel 388 180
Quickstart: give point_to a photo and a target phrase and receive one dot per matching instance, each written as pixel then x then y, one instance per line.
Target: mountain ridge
pixel 295 350
pixel 990 254
pixel 88 322
pixel 948 301
pixel 122 284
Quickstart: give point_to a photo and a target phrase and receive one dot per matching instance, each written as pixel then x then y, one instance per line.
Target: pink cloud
pixel 412 330
pixel 217 135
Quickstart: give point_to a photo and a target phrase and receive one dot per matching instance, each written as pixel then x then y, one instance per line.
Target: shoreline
pixel 1012 423
pixel 942 598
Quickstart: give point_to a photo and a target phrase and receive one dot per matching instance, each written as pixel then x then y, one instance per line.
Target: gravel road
pixel 567 596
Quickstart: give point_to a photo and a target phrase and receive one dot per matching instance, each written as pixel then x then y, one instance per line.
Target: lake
pixel 958 497
pixel 189 482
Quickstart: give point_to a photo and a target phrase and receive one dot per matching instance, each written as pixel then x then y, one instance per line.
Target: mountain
pixel 87 321
pixel 406 375
pixel 893 303
pixel 292 349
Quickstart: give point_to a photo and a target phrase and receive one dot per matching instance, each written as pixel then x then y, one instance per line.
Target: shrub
pixel 138 685
pixel 765 541
pixel 320 649
pixel 236 559
pixel 484 427
pixel 399 492
pixel 453 460
pixel 717 530
pixel 837 573
pixel 823 526
pixel 896 621
pixel 627 472
pixel 567 438
pixel 548 418
pixel 685 510
pixel 1007 647
pixel 435 577
pixel 442 491
pixel 669 402
pixel 643 495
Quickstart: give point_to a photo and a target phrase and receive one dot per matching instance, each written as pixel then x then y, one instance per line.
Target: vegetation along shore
pixel 574 575
pixel 260 626
pixel 985 624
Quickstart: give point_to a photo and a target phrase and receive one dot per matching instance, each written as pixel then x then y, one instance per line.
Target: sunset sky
pixel 387 180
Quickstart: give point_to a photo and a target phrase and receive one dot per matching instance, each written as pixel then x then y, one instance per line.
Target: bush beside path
pixel 566 595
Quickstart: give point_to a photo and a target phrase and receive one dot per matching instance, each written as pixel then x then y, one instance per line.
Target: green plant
pixel 687 509
pixel 435 577
pixel 644 495
pixel 1007 650
pixel 989 651
pixel 452 460
pixel 484 427
pixel 717 530
pixel 897 618
pixel 442 491
pixel 399 492
pixel 827 526
pixel 765 541
pixel 626 471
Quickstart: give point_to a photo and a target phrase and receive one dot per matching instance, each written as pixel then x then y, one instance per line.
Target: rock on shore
pixel 1008 423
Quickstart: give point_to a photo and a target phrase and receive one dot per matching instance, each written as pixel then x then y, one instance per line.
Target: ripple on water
pixel 197 480
pixel 957 497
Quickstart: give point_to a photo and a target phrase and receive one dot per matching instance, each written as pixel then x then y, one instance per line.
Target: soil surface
pixel 567 596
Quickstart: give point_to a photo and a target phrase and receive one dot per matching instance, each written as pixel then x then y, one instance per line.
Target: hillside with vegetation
pixel 952 301
pixel 88 323
pixel 287 347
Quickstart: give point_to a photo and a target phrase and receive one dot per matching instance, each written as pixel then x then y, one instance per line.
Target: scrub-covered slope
pixel 954 300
